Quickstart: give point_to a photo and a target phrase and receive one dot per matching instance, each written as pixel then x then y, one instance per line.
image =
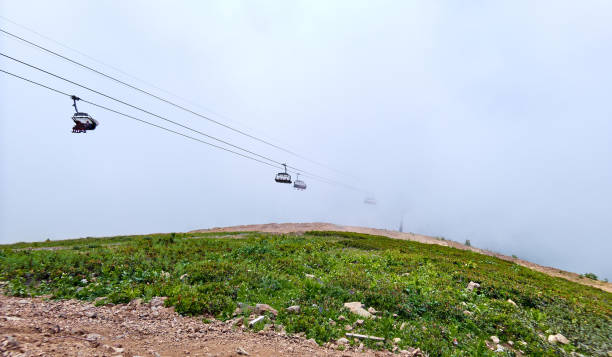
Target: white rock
pixel 495 339
pixel 294 309
pixel 359 322
pixel 397 340
pixel 512 303
pixel 357 308
pixel 310 276
pixel 472 285
pixel 241 351
pixel 342 341
pixel 558 338
pixel 261 308
pixel 93 337
pixel 372 310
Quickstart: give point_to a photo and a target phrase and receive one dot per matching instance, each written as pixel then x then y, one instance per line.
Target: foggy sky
pixel 488 121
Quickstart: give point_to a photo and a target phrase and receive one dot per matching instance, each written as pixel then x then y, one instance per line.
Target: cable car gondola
pixel 82 121
pixel 370 201
pixel 283 177
pixel 299 184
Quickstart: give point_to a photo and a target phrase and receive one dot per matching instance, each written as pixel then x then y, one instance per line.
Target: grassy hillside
pixel 420 286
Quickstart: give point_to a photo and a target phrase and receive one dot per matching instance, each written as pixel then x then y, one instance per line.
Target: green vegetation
pixel 423 285
pixel 590 276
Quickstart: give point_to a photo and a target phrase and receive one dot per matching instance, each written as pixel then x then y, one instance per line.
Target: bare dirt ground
pixel 304 227
pixel 39 327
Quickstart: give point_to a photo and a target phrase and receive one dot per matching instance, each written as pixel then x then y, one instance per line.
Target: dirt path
pixel 35 327
pixel 304 227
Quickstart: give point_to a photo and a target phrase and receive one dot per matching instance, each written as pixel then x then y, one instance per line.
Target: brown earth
pixel 304 227
pixel 39 327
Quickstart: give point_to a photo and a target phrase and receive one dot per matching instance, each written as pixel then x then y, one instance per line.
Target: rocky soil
pixel 41 327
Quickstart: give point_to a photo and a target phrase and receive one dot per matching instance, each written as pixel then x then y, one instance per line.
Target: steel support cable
pixel 138 108
pixel 137 78
pixel 166 100
pixel 137 119
pixel 321 179
pixel 306 173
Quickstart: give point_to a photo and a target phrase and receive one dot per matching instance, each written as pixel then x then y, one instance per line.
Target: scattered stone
pixel 495 339
pixel 10 343
pixel 342 341
pixel 395 315
pixel 467 313
pixel 157 302
pixel 412 352
pixel 135 303
pixel 310 276
pixel 472 285
pixel 359 322
pixel 397 340
pixel 84 281
pixel 403 326
pixel 499 348
pixel 512 303
pixel 295 309
pixel 511 343
pixel 348 328
pixel 256 320
pixel 372 310
pixel 332 322
pixel 312 341
pixel 542 336
pixel 341 318
pixel 238 321
pixel 357 308
pixel 12 318
pixel 184 276
pixel 165 275
pixel 93 337
pixel 405 274
pixel 261 308
pixel 558 338
pixel 118 349
pixel 241 351
pixel 242 308
pixel 23 302
pixel 91 314
pixel 380 344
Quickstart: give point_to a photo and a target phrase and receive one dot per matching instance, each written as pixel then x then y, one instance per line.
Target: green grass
pixel 264 268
